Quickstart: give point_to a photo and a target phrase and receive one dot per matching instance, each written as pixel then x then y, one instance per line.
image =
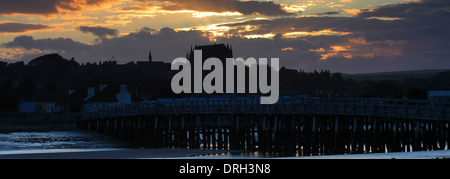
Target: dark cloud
pixel 309 24
pixel 266 8
pixel 427 9
pixel 262 8
pixel 46 7
pixel 58 44
pixel 166 45
pixel 407 20
pixel 414 36
pixel 424 26
pixel 13 27
pixel 28 7
pixel 329 13
pixel 98 31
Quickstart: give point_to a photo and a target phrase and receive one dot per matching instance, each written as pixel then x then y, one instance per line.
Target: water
pixel 56 140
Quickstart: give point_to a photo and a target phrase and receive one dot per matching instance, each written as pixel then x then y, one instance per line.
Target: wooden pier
pixel 291 127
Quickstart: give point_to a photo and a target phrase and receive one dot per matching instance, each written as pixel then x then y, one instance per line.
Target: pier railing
pixel 389 108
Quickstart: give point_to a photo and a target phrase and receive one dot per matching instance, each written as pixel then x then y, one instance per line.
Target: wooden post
pixel 442 135
pixel 447 130
pixel 355 135
pixel 315 136
pixel 337 133
pixel 300 141
pixel 214 130
pixel 219 133
pixel 262 141
pixel 115 126
pixel 237 136
pixel 434 135
pixel 192 132
pixel 98 125
pixel 89 124
pixel 183 138
pixel 290 138
pixel 226 134
pixel 156 134
pixel 307 136
pixel 274 135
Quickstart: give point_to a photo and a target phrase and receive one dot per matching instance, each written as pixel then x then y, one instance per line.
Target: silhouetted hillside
pixel 48 78
pixel 400 75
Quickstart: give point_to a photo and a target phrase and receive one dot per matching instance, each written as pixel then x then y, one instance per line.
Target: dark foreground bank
pixel 109 153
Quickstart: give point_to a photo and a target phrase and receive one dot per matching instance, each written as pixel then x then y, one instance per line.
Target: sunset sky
pixel 350 36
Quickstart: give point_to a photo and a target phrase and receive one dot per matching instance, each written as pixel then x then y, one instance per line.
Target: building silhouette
pixel 220 51
pixel 157 66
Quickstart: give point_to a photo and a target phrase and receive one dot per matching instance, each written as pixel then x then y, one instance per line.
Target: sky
pixel 349 36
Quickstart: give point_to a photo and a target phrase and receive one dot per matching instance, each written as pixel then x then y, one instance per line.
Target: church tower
pixel 150 58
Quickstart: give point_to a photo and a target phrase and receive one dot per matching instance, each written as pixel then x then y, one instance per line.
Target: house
pixel 110 96
pixel 77 98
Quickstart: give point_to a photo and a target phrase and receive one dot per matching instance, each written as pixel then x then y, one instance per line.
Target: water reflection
pixel 55 140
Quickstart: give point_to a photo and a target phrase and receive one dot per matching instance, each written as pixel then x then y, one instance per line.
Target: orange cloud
pixel 356 12
pixel 361 41
pixel 288 49
pixel 19 52
pixel 325 32
pixel 335 50
pixel 360 47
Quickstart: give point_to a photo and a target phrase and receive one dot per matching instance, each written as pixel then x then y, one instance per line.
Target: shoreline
pixel 166 153
pixel 110 153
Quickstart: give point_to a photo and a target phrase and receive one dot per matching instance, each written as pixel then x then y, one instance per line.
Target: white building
pixel 108 97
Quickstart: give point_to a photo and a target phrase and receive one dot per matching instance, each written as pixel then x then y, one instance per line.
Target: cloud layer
pixel 13 27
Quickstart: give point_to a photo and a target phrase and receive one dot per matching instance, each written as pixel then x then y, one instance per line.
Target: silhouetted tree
pixel 8 104
pixel 417 93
